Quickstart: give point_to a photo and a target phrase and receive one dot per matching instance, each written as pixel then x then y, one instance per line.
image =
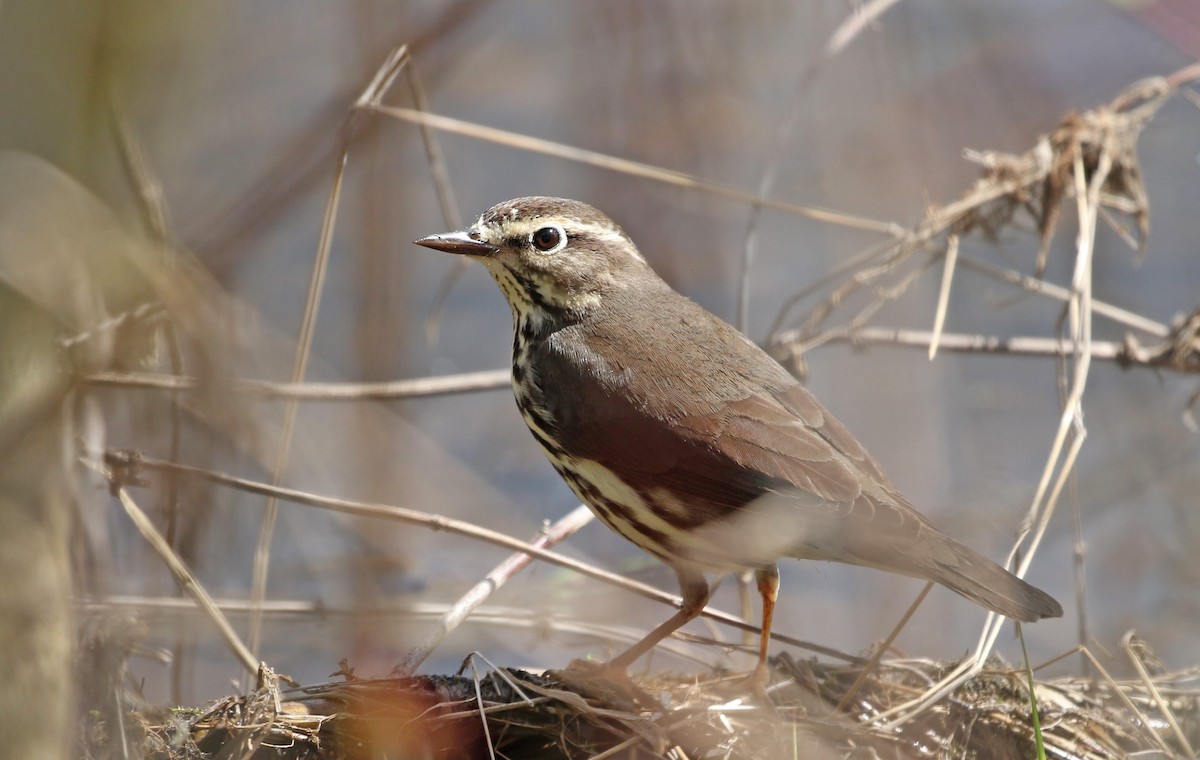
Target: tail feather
pixel 984 582
pixel 882 531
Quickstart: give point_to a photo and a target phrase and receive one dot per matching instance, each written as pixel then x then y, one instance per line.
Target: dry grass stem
pixel 149 189
pixel 1126 695
pixel 439 172
pixel 631 168
pixel 939 317
pixel 283 442
pixel 882 648
pixel 1138 652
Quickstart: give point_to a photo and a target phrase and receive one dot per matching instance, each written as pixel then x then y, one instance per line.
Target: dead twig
pixel 467 382
pixel 462 528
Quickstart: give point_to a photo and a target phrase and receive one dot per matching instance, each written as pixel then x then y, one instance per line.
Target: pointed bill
pixel 457 242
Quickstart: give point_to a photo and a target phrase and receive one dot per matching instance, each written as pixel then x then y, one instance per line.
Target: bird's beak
pixel 458 242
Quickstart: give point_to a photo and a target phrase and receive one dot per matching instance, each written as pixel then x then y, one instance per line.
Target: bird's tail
pixel 984 582
pixel 883 533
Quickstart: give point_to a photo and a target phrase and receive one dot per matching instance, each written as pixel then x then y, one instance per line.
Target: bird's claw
pixel 610 685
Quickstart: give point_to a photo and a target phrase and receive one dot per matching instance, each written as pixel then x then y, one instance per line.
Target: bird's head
pixel 552 257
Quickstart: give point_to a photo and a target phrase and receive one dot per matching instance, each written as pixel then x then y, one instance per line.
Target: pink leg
pixel 695 592
pixel 768 587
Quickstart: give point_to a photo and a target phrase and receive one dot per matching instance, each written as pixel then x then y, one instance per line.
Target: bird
pixel 684 436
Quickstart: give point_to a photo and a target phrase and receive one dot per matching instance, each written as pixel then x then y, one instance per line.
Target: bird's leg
pixel 693 587
pixel 768 586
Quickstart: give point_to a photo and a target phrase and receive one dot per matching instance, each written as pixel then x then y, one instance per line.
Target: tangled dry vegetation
pixel 815 709
pixel 1090 160
pixel 812 714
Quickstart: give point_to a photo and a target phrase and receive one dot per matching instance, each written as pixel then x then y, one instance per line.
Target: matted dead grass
pixel 517 714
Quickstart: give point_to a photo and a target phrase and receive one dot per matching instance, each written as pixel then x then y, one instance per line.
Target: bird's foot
pixel 736 685
pixel 611 685
pixel 758 680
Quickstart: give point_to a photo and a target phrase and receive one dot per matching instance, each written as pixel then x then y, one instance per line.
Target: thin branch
pixel 1110 136
pixel 316 285
pixel 566 526
pixel 1036 182
pixel 491 615
pixel 1127 353
pixel 467 382
pixel 447 201
pixel 633 168
pixel 859 19
pixel 187 581
pixel 1058 466
pixel 439 523
pixel 1035 285
pixel 385 76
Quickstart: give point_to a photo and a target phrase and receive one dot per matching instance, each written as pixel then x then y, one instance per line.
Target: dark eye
pixel 548 238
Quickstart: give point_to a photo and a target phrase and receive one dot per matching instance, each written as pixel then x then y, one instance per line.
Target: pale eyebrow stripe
pixel 603 232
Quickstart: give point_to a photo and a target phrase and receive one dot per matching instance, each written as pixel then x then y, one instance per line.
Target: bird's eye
pixel 548 239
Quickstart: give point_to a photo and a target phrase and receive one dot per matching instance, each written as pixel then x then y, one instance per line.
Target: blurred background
pixel 168 172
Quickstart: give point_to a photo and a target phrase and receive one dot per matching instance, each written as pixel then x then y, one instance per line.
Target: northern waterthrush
pixel 684 436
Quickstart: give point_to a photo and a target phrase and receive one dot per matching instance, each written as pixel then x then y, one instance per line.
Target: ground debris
pixel 526 715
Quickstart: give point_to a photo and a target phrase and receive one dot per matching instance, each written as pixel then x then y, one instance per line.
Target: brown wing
pixel 694 410
pixel 693 407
